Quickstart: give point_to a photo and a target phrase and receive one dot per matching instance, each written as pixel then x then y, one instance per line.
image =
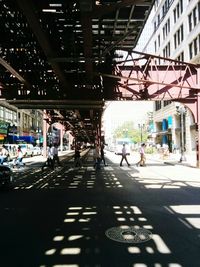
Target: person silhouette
pixel 124 155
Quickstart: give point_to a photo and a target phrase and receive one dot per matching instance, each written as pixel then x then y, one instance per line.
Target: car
pixel 27 149
pixel 37 151
pixel 12 150
pixel 6 176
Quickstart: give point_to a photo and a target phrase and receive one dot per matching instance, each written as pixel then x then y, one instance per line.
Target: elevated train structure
pixel 67 58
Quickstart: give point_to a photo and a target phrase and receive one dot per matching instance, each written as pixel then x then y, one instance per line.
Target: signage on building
pixel 170 122
pixel 4 127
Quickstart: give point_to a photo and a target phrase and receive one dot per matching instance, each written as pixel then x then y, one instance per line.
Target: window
pixel 155 46
pixel 158 19
pixel 178 37
pixel 1 112
pixel 166 102
pixel 178 10
pixel 199 42
pixel 199 11
pixel 194 17
pixel 181 6
pixel 191 50
pixel 166 29
pixel 159 40
pixel 175 41
pixel 157 105
pixel 8 114
pixel 180 57
pixel 190 21
pixel 194 47
pixel 167 50
pixel 154 26
pixel 175 16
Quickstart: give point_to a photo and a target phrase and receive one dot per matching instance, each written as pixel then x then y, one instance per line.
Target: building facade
pixel 174 33
pixel 17 126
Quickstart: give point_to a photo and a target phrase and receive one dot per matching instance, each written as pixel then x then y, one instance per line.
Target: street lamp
pixel 181 110
pixel 141 127
pixel 38 131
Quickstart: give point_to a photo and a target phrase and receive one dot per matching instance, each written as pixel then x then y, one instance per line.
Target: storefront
pixel 3 131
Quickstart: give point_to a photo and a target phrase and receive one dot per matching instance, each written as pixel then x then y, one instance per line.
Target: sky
pixel 118 112
pixel 129 110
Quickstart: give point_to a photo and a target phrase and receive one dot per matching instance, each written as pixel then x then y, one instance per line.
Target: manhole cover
pixel 128 234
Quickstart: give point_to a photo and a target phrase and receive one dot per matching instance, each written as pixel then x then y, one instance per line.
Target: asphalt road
pixel 61 218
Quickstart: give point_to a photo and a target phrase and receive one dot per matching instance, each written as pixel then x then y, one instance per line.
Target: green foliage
pixel 150 150
pixel 127 129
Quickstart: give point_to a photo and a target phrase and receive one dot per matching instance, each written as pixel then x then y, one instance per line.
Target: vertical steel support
pixel 198 130
pixel 44 134
pixel 61 138
pixel 182 114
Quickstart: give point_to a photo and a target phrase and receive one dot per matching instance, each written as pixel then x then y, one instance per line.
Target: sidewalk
pixel 174 159
pixel 41 158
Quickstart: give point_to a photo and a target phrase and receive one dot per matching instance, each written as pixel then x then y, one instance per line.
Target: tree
pixel 128 130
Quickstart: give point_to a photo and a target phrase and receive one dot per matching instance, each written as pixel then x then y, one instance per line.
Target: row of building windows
pixel 178 10
pixel 158 104
pixel 166 29
pixel 194 17
pixel 8 114
pixel 194 47
pixel 167 50
pixel 193 20
pixel 178 37
pixel 180 57
pixel 166 6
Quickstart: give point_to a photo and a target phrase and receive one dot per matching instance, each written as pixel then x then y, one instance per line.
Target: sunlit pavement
pixel 61 218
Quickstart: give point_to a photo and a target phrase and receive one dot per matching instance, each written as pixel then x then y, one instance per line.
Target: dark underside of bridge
pixel 54 54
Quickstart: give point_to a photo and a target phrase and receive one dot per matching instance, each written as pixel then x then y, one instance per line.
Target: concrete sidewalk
pixel 41 158
pixel 174 159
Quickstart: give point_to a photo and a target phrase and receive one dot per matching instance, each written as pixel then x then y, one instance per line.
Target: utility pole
pixel 182 111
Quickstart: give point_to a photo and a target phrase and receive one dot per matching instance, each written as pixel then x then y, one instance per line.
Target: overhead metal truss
pixel 69 57
pixel 52 50
pixel 149 77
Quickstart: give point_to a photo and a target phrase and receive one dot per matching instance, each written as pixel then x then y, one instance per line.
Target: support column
pixel 61 138
pixel 198 131
pixel 44 134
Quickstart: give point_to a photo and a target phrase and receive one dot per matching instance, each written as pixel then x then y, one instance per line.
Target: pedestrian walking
pixel 4 155
pixel 19 159
pixel 50 155
pixel 124 154
pixel 96 157
pixel 142 161
pixel 77 158
pixel 55 155
pixel 102 155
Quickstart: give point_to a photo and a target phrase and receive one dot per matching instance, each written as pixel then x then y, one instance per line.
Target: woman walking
pixel 142 161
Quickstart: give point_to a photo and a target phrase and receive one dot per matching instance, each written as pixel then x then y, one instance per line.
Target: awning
pixel 161 133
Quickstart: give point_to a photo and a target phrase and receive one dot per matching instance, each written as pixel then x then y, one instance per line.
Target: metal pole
pixel 44 135
pixel 182 136
pixel 198 132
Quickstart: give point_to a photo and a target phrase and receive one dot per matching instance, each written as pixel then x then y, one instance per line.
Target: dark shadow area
pixel 59 219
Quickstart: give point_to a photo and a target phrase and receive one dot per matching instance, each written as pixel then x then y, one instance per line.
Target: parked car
pixel 27 149
pixel 6 176
pixel 37 151
pixel 12 150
